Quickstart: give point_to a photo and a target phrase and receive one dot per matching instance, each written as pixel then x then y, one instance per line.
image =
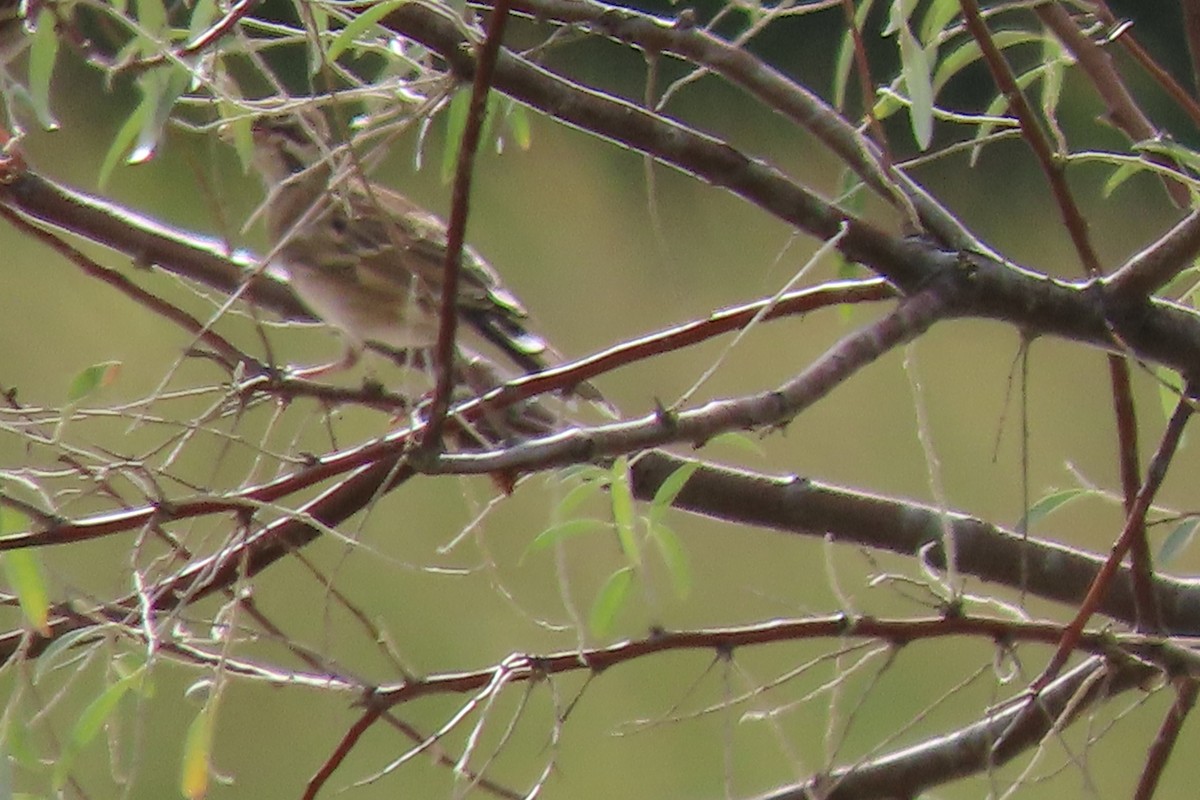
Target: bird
pixel 366 259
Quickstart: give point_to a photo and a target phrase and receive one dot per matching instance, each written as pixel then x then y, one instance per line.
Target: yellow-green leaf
pixel 122 143
pixel 456 123
pixel 359 25
pixel 565 530
pixel 610 600
pixel 675 558
pixel 914 66
pixel 92 379
pixel 90 722
pixel 621 496
pixel 43 53
pixel 518 125
pixel 197 754
pixel 670 488
pixel 23 572
pixel 1051 503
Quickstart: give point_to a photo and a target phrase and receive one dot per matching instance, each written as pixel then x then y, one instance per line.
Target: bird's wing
pixel 408 242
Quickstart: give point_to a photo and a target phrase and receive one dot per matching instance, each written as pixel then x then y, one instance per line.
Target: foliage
pixel 497 587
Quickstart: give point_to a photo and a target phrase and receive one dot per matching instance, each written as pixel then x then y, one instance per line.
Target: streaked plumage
pixel 367 260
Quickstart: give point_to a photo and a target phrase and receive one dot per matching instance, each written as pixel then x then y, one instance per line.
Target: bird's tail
pixel 527 350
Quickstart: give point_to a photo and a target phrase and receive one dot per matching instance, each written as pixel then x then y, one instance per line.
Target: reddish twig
pixel 485 66
pixel 1123 111
pixel 1168 736
pixel 1135 520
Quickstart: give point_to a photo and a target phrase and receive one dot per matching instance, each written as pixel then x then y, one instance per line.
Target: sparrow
pixel 369 261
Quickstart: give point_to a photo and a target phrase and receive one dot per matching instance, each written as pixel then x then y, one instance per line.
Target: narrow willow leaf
pixel 359 25
pixel 161 88
pixel 1170 389
pixel 914 66
pixel 239 129
pixel 964 55
pixel 519 126
pixel 92 379
pixel 621 496
pixel 609 602
pixel 90 723
pixel 1184 155
pixel 19 746
pixel 123 141
pixel 197 755
pixel 1177 541
pixel 675 558
pixel 738 441
pixel 1051 503
pixel 43 53
pixel 842 64
pixel 23 572
pixel 456 123
pixel 576 497
pixel 671 487
pixel 1119 175
pixel 203 14
pixel 845 58
pixel 67 644
pixel 7 791
pixel 152 16
pixel 937 18
pixel 996 108
pixel 565 530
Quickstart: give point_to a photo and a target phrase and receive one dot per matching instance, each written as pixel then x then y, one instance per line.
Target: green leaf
pixel 937 18
pixel 456 123
pixel 675 557
pixel 123 141
pixel 203 14
pixel 48 661
pixel 90 722
pixel 576 497
pixel 1177 541
pixel 197 754
pixel 161 88
pixel 565 530
pixel 967 53
pixel 997 107
pixel 43 53
pixel 609 602
pixel 92 379
pixel 845 58
pixel 23 572
pixel 670 488
pixel 1051 503
pixel 152 16
pixel 738 441
pixel 518 125
pixel 621 495
pixel 18 746
pixel 240 130
pixel 1170 389
pixel 914 66
pixel 1119 175
pixel 359 25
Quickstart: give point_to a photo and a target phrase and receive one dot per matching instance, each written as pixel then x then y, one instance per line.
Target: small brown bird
pixel 369 261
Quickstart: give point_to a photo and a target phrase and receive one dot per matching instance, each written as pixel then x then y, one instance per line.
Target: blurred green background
pixel 568 223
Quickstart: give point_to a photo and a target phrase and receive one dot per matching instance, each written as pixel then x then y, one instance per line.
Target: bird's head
pixel 288 144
